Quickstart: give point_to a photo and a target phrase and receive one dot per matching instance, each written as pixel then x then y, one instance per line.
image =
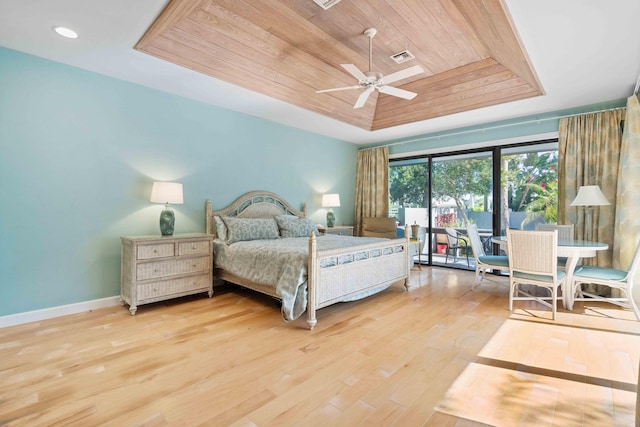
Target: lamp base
pixel 167 221
pixel 331 219
pixel 588 223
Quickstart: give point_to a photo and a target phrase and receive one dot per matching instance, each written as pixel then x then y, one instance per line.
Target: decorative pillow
pixel 239 229
pixel 221 229
pixel 292 226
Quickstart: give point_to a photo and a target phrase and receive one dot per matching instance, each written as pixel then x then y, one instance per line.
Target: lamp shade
pixel 167 192
pixel 330 200
pixel 590 195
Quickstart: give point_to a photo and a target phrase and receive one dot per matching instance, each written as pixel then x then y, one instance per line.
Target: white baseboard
pixel 62 310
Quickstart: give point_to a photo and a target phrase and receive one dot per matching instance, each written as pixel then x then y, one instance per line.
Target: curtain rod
pixel 496 127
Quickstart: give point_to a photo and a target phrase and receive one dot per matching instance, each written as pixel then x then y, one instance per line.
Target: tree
pixel 409 185
pixel 458 179
pixel 526 179
pixel 544 203
pixel 526 172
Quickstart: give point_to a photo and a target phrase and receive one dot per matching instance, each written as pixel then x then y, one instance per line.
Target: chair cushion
pixel 500 260
pixel 562 261
pixel 601 273
pixel 538 277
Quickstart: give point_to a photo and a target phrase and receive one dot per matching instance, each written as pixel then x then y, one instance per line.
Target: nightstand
pixel 341 230
pixel 157 268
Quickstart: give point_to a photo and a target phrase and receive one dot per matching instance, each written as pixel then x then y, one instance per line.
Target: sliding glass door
pixel 461 193
pixel 409 198
pixel 495 188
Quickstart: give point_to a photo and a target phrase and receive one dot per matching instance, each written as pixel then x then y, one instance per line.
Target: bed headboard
pixel 255 204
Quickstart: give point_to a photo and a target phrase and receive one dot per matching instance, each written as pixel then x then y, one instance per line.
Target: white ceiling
pixel 584 52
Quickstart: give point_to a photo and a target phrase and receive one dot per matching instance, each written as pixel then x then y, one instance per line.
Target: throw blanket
pixel 281 262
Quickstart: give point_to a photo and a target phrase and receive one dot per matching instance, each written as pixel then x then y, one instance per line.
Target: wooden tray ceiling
pixel 288 49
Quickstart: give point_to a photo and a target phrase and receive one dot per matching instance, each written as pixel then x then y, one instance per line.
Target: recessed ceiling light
pixel 66 32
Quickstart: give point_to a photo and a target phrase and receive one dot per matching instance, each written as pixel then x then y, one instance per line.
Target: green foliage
pixel 525 175
pixel 529 182
pixel 459 178
pixel 544 203
pixel 408 185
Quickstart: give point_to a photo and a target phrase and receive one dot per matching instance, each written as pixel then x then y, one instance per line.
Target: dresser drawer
pixel 342 232
pixel 172 267
pixel 159 250
pixel 172 287
pixel 192 248
pixel 155 268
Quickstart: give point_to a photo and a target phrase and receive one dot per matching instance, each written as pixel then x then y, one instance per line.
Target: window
pixel 495 187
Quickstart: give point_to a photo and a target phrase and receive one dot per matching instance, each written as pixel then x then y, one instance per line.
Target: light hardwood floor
pixel 437 355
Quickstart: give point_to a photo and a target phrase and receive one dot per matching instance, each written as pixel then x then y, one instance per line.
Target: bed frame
pixel 334 275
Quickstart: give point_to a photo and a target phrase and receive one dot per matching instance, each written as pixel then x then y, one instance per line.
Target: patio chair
pixel 615 279
pixel 484 262
pixel 456 243
pixel 533 260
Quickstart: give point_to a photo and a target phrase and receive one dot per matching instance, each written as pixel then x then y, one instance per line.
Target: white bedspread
pixel 281 262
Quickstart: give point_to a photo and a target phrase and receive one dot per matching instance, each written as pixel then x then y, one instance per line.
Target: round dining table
pixel 573 250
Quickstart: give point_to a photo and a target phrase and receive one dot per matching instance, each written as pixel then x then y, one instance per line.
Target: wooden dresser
pixel 157 268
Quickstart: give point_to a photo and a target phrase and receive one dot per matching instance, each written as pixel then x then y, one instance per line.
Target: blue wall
pixel 79 152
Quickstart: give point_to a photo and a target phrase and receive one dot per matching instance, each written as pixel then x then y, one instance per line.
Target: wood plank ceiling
pixel 288 49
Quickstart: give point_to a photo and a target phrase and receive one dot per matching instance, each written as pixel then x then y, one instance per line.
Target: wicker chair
pixel 565 232
pixel 615 279
pixel 533 261
pixel 484 262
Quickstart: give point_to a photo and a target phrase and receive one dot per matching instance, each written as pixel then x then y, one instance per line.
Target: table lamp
pixel 589 196
pixel 331 201
pixel 167 192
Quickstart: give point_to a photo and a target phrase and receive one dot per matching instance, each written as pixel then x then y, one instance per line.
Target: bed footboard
pixel 348 274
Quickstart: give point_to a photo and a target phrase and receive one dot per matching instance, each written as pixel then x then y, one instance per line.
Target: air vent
pixel 403 56
pixel 326 4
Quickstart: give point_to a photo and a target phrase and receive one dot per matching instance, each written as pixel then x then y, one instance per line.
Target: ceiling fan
pixel 372 80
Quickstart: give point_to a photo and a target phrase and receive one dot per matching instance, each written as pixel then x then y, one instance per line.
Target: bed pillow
pixel 241 229
pixel 221 229
pixel 292 226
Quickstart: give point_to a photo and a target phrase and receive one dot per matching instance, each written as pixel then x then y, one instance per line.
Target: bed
pixel 302 269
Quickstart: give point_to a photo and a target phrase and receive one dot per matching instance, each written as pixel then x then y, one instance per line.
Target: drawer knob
pixel 193 247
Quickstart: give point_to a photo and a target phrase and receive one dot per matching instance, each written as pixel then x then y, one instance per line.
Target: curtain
pixel 589 154
pixel 627 221
pixel 372 185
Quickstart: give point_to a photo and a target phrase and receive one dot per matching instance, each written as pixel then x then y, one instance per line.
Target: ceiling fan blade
pixel 402 74
pixel 362 99
pixel 339 88
pixel 354 71
pixel 400 93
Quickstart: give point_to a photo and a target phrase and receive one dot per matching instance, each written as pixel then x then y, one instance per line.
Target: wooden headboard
pixel 255 204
